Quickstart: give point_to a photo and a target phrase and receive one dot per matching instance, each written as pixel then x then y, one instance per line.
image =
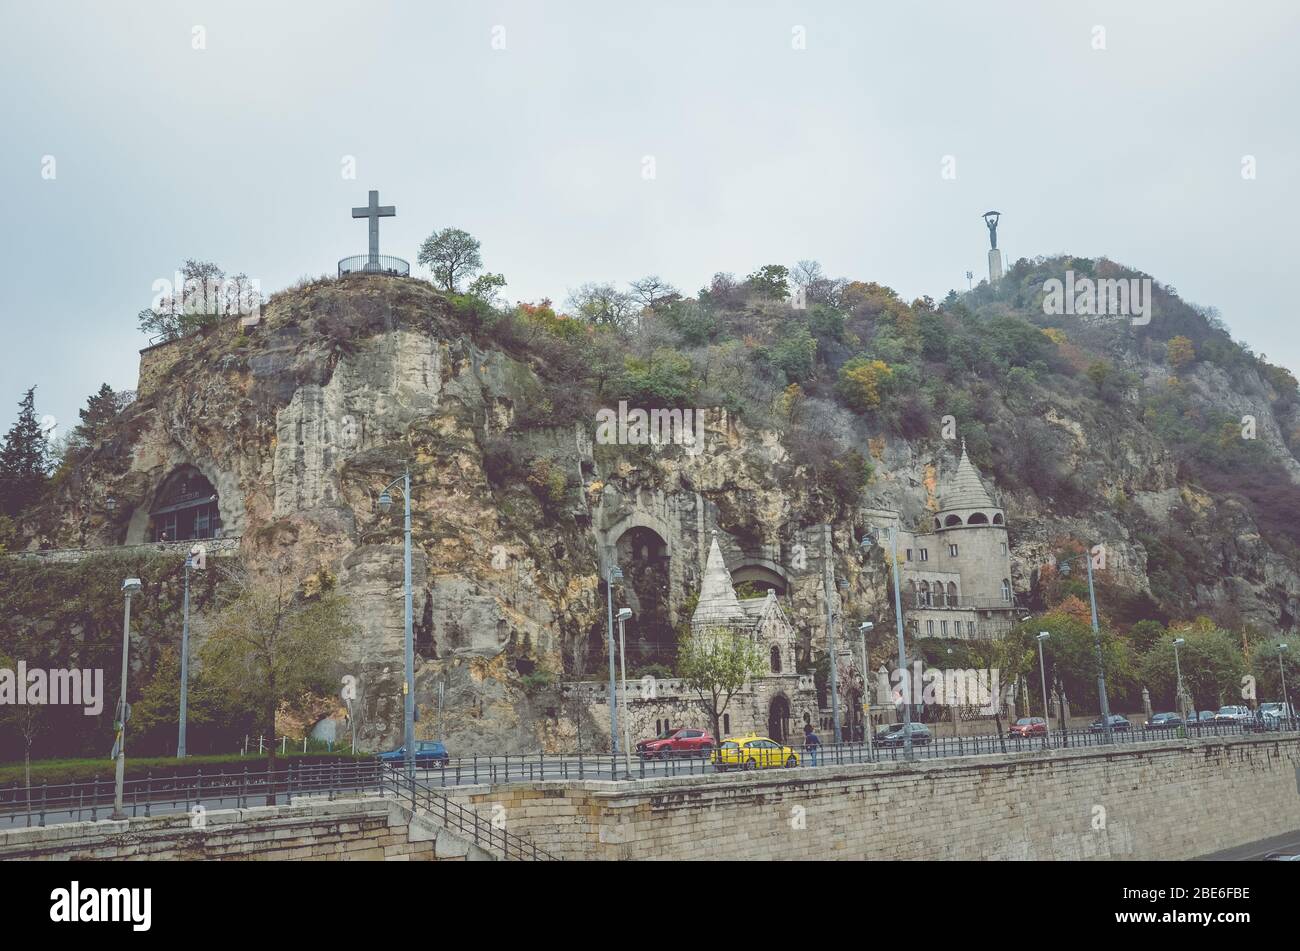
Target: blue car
pixel 428 753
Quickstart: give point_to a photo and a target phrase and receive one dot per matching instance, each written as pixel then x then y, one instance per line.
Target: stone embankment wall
pixel 368 828
pixel 1176 800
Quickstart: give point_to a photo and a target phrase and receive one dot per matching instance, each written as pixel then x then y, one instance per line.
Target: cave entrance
pixel 643 555
pixel 186 507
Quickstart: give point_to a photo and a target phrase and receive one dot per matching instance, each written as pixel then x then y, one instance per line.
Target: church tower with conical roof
pixel 957 578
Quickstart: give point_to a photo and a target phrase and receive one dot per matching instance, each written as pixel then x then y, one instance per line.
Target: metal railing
pixel 532 767
pixel 488 834
pixel 379 264
pixel 74 802
pixel 54 803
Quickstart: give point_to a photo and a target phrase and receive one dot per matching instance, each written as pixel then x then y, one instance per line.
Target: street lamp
pixel 129 587
pixel 623 615
pixel 1042 673
pixel 867 540
pixel 190 562
pixel 865 628
pixel 408 685
pixel 615 573
pixel 1286 704
pixel 1178 670
pixel 830 646
pixel 1096 639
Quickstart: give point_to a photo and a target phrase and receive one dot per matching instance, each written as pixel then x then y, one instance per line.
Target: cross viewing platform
pixel 373 262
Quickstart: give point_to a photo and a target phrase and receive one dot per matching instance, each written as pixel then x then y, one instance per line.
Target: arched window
pixel 997 518
pixel 776 659
pixel 936 523
pixel 952 520
pixel 912 595
pixel 952 594
pixel 1006 590
pixel 938 594
pixel 923 596
pixel 979 518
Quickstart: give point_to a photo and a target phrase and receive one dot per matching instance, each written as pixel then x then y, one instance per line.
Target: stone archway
pixel 778 718
pixel 643 555
pixel 185 507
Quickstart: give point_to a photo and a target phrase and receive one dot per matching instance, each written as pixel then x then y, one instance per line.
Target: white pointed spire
pixel 966 491
pixel 718 604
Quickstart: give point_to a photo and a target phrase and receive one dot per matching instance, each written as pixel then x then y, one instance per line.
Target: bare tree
pixel 274 639
pixel 806 273
pixel 653 292
pixel 603 305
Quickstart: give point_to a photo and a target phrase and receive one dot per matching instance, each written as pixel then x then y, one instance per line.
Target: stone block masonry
pixel 1168 801
pixel 361 829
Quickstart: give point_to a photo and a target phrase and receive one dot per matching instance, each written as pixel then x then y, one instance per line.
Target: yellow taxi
pixel 752 752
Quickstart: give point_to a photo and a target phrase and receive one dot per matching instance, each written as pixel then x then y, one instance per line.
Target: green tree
pixel 200 300
pixel 272 641
pixel 101 408
pixel 485 287
pixel 452 255
pixel 1144 635
pixel 863 383
pixel 770 281
pixel 24 460
pixel 716 663
pixel 1211 661
pixel 795 355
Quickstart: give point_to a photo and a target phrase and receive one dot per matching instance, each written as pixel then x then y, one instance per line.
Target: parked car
pixel 1164 721
pixel 893 736
pixel 752 752
pixel 427 753
pixel 1234 714
pixel 1028 726
pixel 1205 716
pixel 1273 713
pixel 672 744
pixel 1118 724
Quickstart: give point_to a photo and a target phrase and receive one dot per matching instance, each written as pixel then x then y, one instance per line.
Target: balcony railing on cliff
pixel 378 264
pixel 216 548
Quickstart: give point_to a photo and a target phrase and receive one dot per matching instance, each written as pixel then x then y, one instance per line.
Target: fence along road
pixel 46 804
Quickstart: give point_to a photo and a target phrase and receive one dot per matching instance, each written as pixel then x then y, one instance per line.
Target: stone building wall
pixel 155 361
pixel 1168 801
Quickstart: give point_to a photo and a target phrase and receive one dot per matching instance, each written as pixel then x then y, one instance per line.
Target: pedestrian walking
pixel 811 743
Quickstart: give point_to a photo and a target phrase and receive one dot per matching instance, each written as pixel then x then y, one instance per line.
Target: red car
pixel 1028 726
pixel 684 742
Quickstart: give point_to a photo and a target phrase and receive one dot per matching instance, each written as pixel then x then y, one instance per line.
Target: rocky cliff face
pixel 299 422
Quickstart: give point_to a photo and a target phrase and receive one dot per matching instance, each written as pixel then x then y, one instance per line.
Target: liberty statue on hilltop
pixel 991 219
pixel 995 256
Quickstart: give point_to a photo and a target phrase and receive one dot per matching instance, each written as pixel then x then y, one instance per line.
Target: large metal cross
pixel 374 211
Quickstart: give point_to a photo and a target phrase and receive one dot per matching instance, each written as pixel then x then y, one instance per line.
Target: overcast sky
pixel 762 152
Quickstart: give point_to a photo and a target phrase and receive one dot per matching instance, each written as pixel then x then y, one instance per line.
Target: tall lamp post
pixel 865 628
pixel 1286 704
pixel 1178 672
pixel 867 540
pixel 129 587
pixel 408 685
pixel 1096 640
pixel 830 644
pixel 195 559
pixel 1042 673
pixel 623 615
pixel 615 573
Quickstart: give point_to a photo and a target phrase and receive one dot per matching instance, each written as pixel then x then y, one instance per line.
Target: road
pixel 1254 851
